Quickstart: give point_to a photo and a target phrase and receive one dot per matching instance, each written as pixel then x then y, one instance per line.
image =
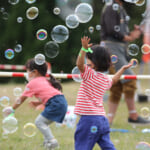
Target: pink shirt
pixel 41 88
pixel 90 95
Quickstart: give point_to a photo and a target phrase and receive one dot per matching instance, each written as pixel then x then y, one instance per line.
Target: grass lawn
pixel 65 136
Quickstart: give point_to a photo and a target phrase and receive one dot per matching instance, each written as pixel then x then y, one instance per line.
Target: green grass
pixel 65 136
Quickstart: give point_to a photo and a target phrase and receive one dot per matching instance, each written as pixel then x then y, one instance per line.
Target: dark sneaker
pixel 139 121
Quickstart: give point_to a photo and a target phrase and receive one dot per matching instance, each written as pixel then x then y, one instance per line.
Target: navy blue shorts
pixel 91 130
pixel 55 108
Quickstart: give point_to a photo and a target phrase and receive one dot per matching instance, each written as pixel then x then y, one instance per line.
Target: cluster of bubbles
pixel 10 53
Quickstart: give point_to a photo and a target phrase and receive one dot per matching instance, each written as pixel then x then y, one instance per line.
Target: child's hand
pixel 85 42
pixel 127 66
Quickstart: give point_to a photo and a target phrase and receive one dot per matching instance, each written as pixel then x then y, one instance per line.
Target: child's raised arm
pixel 81 57
pixel 117 75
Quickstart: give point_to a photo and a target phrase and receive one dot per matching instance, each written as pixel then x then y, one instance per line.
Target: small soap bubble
pixel 60 34
pixel 51 49
pixel 91 29
pixel 147 92
pixel 98 27
pixel 5 15
pixel 145 49
pixel 17 91
pixel 127 18
pixel 140 3
pixel 4 101
pixel 133 50
pixel 134 63
pixel 19 19
pixel 84 12
pixel 56 11
pixel 145 112
pixel 10 125
pixel 115 7
pixel 143 146
pixel 7 111
pixel 9 54
pixel 13 2
pixel 114 59
pixel 18 48
pixel 72 21
pixel 76 74
pixel 39 59
pixel 2 9
pixel 32 13
pixel 29 130
pixel 30 1
pixel 117 28
pixel 41 34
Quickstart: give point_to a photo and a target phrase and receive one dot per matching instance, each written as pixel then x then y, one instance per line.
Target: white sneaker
pixel 51 145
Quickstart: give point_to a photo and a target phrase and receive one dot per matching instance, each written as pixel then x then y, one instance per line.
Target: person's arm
pixel 81 57
pixel 19 101
pixel 118 74
pixel 35 103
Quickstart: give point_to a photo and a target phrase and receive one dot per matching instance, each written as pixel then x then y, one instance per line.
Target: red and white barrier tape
pixel 70 76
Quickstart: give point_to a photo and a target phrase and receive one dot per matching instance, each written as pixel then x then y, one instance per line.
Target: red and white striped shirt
pixel 90 95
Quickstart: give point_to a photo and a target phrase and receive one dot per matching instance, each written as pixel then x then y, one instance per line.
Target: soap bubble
pixel 2 9
pixel 51 49
pixel 72 21
pixel 140 3
pixel 76 74
pixel 39 59
pixel 56 11
pixel 145 48
pixel 32 13
pixel 114 59
pixel 134 63
pixel 5 15
pixel 143 146
pixel 41 34
pixel 60 33
pixel 30 1
pixel 147 92
pixel 145 112
pixel 29 129
pixel 133 50
pixel 91 29
pixel 7 111
pixel 10 125
pixel 84 12
pixel 115 7
pixel 116 28
pixel 13 2
pixel 4 101
pixel 127 18
pixel 17 91
pixel 9 54
pixel 98 27
pixel 18 48
pixel 19 19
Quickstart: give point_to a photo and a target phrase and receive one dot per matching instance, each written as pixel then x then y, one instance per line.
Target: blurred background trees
pixel 24 33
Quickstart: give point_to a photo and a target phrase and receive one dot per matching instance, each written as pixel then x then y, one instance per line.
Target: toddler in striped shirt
pixel 93 126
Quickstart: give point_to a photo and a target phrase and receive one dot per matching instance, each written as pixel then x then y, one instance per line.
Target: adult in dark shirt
pixel 115 35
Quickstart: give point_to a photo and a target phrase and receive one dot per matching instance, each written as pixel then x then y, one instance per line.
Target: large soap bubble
pixel 84 12
pixel 32 13
pixel 133 49
pixel 51 49
pixel 29 129
pixel 76 74
pixel 39 59
pixel 4 101
pixel 60 34
pixel 13 2
pixel 10 125
pixel 72 21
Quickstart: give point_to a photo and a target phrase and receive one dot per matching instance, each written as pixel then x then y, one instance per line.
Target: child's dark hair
pixel 100 58
pixel 42 69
